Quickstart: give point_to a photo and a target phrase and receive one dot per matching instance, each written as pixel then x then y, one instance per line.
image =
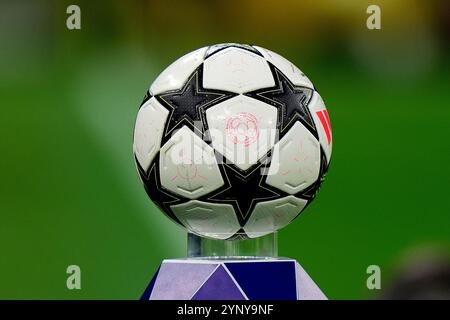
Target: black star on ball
pixel 235 191
pixel 187 105
pixel 291 101
pixel 161 197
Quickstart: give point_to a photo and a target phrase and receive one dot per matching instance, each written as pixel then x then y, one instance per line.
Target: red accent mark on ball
pixel 325 120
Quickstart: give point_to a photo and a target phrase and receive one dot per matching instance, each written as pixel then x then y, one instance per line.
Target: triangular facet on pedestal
pixel 219 286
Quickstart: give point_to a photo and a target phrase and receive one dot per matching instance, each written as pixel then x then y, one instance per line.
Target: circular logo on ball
pixel 242 128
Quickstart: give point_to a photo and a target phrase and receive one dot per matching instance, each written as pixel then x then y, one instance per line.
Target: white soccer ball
pixel 232 141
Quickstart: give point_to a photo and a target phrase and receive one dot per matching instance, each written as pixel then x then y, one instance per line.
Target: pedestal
pixel 198 279
pixel 232 270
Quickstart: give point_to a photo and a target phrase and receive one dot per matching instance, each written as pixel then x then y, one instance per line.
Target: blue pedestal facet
pixel 196 279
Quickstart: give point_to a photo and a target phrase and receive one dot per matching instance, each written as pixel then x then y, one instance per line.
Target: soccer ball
pixel 232 141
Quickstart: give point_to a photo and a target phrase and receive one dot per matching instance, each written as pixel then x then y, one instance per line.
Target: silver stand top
pixel 265 247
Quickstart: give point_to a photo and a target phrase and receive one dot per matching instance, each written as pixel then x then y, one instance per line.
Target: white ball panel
pixel 207 219
pixel 295 161
pixel 175 75
pixel 236 70
pixel 322 122
pixel 188 166
pixel 294 74
pixel 148 131
pixel 273 215
pixel 242 129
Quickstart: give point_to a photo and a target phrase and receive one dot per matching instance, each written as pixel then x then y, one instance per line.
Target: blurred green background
pixel 69 190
